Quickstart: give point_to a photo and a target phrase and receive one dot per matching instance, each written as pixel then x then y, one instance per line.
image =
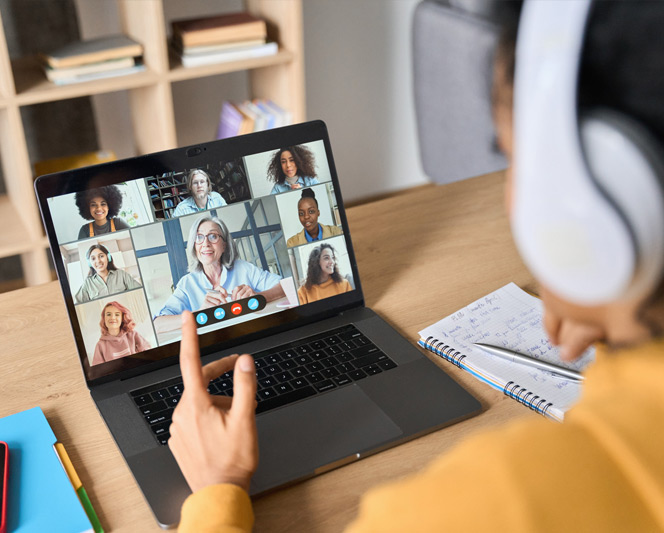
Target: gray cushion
pixel 452 56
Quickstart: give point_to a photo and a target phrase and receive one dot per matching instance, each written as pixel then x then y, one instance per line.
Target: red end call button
pixel 236 309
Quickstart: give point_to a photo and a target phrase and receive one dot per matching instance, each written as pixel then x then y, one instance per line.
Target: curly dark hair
pixel 313 268
pixel 104 250
pixel 110 193
pixel 304 160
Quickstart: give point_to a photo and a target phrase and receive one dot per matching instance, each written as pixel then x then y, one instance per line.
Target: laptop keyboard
pixel 285 374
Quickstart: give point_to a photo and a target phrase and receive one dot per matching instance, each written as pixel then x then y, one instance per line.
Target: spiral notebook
pixel 511 318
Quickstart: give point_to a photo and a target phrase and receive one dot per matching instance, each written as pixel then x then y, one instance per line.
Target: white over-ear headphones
pixel 588 206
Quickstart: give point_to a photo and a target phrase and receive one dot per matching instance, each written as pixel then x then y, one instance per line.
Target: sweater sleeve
pixel 99 355
pixel 129 281
pixel 302 295
pixel 219 508
pixel 141 343
pixel 83 295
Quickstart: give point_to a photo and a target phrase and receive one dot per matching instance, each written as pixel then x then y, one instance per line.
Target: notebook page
pixel 511 318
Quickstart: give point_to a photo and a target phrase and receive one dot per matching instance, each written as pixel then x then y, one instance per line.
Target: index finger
pixel 190 356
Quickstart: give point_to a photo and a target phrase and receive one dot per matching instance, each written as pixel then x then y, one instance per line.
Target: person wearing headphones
pixel 586 203
pixel 104 277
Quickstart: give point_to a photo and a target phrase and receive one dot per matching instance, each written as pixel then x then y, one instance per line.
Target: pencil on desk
pixel 78 487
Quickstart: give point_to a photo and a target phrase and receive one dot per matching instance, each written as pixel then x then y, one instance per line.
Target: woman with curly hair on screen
pixel 118 337
pixel 323 278
pixel 292 168
pixel 101 206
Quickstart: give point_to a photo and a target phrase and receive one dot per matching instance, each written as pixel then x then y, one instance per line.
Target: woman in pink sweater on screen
pixel 118 338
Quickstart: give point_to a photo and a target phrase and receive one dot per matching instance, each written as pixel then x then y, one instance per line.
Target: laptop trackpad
pixel 300 438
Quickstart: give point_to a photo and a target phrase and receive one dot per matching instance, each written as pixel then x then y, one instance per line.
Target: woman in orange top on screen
pixel 323 278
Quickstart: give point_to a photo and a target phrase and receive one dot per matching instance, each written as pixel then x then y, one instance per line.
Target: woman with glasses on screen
pixel 216 275
pixel 202 196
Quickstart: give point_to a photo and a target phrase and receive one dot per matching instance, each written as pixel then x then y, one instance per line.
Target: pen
pixel 530 361
pixel 78 487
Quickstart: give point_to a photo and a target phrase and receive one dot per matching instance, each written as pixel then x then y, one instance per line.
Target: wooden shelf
pixel 17 240
pixel 32 87
pixel 22 83
pixel 179 73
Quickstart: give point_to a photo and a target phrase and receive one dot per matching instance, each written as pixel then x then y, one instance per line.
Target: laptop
pixel 263 257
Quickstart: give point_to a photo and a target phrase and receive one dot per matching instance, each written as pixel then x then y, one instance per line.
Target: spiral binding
pixel 445 351
pixel 523 396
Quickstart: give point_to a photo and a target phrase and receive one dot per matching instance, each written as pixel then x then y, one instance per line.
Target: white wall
pixel 358 80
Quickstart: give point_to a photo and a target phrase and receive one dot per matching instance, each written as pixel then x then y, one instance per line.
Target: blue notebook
pixel 40 497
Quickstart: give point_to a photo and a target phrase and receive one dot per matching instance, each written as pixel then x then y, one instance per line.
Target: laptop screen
pixel 249 234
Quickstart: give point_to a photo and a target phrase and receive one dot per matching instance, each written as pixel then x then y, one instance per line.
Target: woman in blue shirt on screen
pixel 216 275
pixel 292 168
pixel 202 196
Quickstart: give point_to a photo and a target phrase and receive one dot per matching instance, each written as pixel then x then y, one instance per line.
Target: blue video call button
pixel 252 304
pixel 201 318
pixel 219 313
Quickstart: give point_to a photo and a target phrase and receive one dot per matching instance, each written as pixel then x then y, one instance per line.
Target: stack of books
pixel 115 55
pixel 222 38
pixel 249 116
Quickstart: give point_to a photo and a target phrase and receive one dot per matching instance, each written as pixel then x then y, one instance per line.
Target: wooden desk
pixel 422 255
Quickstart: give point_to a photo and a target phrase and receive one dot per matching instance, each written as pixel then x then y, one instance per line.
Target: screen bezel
pixel 158 163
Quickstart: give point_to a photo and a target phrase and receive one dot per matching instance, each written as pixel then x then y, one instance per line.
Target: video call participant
pixel 323 278
pixel 202 196
pixel 102 206
pixel 292 168
pixel 118 336
pixel 103 277
pixel 216 275
pixel 308 212
pixel 601 470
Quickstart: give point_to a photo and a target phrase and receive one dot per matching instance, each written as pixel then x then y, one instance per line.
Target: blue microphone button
pixel 201 318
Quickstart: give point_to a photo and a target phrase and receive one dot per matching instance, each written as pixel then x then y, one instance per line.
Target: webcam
pixel 194 151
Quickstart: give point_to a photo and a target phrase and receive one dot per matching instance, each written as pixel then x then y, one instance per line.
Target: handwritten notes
pixel 511 318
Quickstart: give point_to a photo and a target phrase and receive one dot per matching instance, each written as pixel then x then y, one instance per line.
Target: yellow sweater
pixel 299 238
pixel 323 290
pixel 601 470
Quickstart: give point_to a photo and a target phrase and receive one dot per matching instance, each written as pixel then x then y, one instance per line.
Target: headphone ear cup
pixel 108 256
pixel 626 164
